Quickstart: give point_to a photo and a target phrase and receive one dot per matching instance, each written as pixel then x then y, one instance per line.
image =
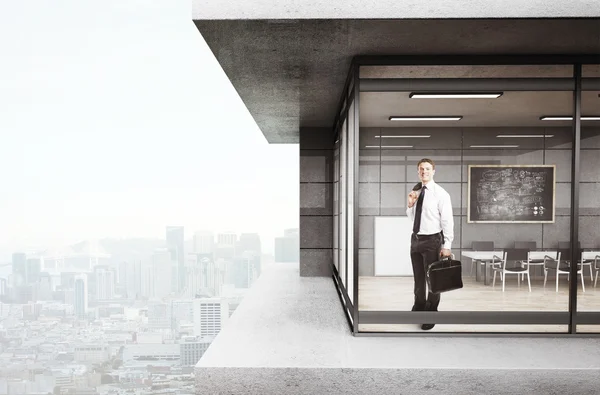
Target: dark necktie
pixel 417 222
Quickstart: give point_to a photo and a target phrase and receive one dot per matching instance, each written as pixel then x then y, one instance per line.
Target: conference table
pixel 485 257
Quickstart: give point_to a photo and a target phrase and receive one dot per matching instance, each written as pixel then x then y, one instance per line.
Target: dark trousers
pixel 424 250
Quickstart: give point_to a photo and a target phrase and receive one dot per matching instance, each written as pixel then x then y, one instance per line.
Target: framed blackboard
pixel 511 193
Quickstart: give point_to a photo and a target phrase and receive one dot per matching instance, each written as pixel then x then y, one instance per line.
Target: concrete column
pixel 316 201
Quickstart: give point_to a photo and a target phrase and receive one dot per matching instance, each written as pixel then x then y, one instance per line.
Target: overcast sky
pixel 117 120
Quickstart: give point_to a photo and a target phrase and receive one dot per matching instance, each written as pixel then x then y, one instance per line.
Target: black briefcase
pixel 444 275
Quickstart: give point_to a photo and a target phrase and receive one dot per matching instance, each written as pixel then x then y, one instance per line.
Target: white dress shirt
pixel 436 214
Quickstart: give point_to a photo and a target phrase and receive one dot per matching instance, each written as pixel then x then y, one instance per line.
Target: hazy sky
pixel 116 120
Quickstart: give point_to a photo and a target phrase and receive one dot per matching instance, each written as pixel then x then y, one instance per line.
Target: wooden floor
pixel 396 294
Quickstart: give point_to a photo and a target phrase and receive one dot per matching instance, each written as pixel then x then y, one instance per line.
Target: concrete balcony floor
pixel 289 336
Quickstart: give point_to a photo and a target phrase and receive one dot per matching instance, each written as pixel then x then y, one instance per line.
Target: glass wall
pixel 505 162
pixel 588 299
pixel 343 219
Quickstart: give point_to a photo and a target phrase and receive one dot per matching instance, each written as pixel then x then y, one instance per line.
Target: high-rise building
pixel 249 246
pixel 175 243
pixel 33 269
pixel 201 276
pixel 133 278
pixel 156 275
pixel 45 286
pixel 220 275
pixel 226 239
pixel 210 315
pixel 163 273
pixel 225 247
pixel 24 293
pixel 3 288
pixel 80 301
pixel 192 348
pixel 19 268
pixel 105 283
pixel 287 248
pixel 249 242
pixel 204 242
pixel 244 270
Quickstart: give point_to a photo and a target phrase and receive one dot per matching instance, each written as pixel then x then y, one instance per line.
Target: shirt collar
pixel 430 185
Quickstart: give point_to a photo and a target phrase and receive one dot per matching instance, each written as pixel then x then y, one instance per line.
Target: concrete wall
pixel 316 201
pixel 406 9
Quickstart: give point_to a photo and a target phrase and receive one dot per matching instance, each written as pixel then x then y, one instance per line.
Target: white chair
pixel 520 271
pixel 552 262
pixel 596 268
pixel 536 258
pixel 589 261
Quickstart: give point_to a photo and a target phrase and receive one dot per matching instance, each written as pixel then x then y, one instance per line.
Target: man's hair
pixel 426 160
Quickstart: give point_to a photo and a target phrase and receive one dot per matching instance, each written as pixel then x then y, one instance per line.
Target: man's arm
pixel 447 220
pixel 411 199
pixel 410 212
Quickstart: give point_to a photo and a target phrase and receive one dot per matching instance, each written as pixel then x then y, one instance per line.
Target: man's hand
pixel 445 252
pixel 412 198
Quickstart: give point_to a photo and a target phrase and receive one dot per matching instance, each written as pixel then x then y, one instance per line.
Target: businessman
pixel 430 209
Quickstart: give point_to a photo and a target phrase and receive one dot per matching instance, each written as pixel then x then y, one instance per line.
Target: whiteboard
pixel 392 246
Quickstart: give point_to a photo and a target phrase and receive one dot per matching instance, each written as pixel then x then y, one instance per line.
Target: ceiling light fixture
pixel 569 118
pixel 426 118
pixel 388 146
pixel 494 146
pixel 420 136
pixel 455 95
pixel 524 135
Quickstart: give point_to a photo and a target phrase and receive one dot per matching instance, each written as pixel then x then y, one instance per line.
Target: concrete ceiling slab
pixel 290 73
pixel 405 9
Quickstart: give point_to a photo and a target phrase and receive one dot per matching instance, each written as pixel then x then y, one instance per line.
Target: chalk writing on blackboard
pixel 511 193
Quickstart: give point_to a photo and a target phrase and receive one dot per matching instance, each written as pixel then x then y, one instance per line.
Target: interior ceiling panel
pixel 290 74
pixel 511 109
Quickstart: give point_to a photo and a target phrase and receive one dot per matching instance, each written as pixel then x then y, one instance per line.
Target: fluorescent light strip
pixel 388 146
pixel 524 135
pixel 429 118
pixel 569 118
pixel 494 146
pixel 455 95
pixel 421 136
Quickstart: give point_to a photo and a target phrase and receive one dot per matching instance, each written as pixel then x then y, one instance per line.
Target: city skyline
pixel 124 143
pixel 122 124
pixel 189 237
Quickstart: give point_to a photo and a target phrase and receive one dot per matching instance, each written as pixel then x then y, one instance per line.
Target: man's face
pixel 426 172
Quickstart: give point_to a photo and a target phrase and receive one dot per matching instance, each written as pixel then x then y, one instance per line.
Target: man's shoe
pixel 427 327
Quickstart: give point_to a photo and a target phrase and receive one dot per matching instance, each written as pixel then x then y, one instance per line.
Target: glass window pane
pixel 589 205
pixel 351 205
pixel 504 131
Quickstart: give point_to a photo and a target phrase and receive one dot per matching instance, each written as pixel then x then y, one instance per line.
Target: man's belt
pixel 426 237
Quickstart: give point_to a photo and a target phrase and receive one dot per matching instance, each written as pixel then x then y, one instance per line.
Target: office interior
pixel 518 274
